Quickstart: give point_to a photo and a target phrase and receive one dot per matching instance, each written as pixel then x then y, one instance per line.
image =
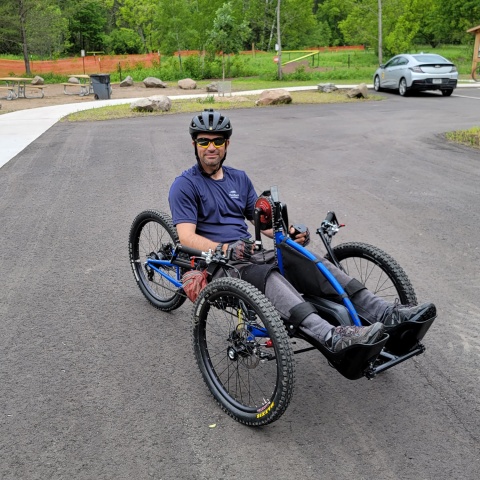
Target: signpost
pixel 82 54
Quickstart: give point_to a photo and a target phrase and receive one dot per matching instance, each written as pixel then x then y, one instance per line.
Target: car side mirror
pixel 382 65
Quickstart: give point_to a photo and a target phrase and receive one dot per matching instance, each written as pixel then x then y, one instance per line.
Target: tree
pixel 174 30
pixel 260 16
pixel 138 15
pixel 297 13
pixel 333 13
pixel 31 26
pixel 47 30
pixel 457 17
pixel 227 34
pixel 124 40
pixel 87 26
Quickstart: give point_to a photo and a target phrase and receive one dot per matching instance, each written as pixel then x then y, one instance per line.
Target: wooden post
pixel 476 53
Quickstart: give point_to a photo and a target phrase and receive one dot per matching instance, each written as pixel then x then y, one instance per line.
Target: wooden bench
pixel 84 88
pixel 11 93
pixel 37 88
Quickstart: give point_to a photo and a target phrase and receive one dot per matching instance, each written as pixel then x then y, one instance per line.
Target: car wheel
pixel 376 84
pixel 447 93
pixel 402 87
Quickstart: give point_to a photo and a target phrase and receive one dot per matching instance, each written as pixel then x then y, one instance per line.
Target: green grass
pixel 219 103
pixel 469 137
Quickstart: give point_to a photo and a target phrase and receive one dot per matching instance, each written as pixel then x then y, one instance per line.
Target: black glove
pixel 240 250
pixel 299 228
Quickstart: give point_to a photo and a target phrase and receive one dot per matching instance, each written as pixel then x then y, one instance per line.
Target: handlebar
pixel 215 256
pixel 192 252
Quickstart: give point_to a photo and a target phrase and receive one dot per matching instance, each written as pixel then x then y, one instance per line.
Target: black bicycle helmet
pixel 210 121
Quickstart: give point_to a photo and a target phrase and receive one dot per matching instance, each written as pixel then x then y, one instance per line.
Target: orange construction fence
pixel 106 63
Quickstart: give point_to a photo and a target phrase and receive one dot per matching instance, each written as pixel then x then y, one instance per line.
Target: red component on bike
pixel 265 208
pixel 269 343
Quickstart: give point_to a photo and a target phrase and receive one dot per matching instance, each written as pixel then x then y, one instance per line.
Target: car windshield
pixel 425 58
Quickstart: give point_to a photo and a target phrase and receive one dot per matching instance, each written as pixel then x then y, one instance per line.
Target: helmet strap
pixel 202 170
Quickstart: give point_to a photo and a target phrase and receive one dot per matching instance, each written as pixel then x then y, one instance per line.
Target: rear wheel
pixel 447 93
pixel 243 351
pixel 376 84
pixel 402 88
pixel 152 235
pixel 377 270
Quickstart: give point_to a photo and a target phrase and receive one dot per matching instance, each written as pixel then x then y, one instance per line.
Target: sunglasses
pixel 205 142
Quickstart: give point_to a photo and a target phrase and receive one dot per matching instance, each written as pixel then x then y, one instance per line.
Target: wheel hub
pixel 232 354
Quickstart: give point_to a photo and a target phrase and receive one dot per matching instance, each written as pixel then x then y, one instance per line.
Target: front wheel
pixel 243 351
pixel 377 270
pixel 376 84
pixel 153 236
pixel 402 88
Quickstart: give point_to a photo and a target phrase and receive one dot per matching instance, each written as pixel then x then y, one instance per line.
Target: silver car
pixel 417 72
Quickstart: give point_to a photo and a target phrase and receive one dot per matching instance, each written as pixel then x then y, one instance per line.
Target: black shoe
pixel 397 314
pixel 341 337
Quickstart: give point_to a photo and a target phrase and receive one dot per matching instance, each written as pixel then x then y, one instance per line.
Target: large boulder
pixel 361 91
pixel 187 84
pixel 156 103
pixel 161 103
pixel 152 82
pixel 38 80
pixel 127 82
pixel 274 97
pixel 326 87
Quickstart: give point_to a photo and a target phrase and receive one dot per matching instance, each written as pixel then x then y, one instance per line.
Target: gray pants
pixel 284 297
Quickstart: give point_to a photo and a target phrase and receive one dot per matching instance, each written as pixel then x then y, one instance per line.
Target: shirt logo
pixel 233 194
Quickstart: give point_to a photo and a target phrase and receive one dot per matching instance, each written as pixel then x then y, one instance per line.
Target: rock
pixel 74 80
pixel 187 84
pixel 152 82
pixel 326 87
pixel 156 103
pixel 212 87
pixel 142 105
pixel 127 82
pixel 359 92
pixel 161 103
pixel 38 80
pixel 274 97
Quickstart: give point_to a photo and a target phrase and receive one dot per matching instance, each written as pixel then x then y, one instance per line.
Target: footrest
pixel 352 362
pixel 406 336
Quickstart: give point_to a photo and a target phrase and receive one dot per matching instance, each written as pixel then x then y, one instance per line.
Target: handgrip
pixel 192 252
pixel 330 216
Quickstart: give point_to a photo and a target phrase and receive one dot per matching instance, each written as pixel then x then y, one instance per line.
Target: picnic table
pixel 17 87
pixel 85 85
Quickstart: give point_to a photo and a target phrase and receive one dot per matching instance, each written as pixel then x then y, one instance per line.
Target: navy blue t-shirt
pixel 217 207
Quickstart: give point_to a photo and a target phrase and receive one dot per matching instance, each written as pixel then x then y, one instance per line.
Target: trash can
pixel 101 86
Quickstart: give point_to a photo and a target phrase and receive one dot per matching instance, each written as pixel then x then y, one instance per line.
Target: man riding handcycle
pixel 240 340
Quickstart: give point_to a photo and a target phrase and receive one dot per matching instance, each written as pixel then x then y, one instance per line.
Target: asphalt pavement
pixel 19 129
pixel 98 384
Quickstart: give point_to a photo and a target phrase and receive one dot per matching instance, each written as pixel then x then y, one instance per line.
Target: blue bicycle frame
pixel 280 237
pixel 155 264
